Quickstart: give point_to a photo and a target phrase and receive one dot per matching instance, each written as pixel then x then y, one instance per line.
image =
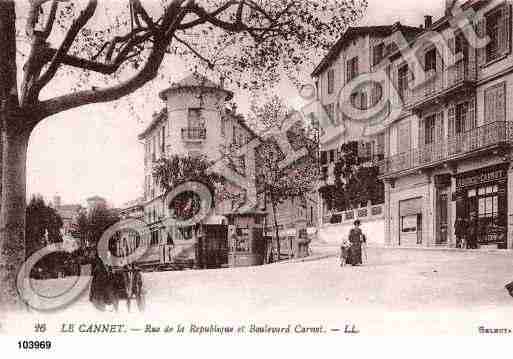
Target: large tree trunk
pixel 12 216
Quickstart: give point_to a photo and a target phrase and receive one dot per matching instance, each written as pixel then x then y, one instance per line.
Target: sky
pixel 94 150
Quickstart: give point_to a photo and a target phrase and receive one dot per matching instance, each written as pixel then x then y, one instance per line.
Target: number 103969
pixel 34 344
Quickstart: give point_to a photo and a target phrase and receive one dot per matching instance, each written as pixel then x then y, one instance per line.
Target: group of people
pixel 466 232
pixel 352 248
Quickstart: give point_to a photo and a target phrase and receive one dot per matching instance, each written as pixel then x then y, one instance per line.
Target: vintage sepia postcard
pixel 312 168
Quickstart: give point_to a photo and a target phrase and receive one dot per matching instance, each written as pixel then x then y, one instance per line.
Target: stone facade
pixel 360 50
pixel 448 146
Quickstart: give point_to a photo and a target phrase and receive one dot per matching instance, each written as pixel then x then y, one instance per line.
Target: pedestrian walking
pixel 356 239
pixel 102 292
pixel 460 231
pixel 473 233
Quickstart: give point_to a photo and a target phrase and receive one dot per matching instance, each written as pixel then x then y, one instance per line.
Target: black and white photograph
pixel 264 168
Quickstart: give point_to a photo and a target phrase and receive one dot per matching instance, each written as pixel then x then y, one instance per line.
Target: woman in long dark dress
pixel 101 286
pixel 356 239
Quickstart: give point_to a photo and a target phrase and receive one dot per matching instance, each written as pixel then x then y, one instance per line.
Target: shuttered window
pixel 376 94
pixel 404 137
pixel 402 80
pixel 495 103
pixel 430 60
pixel 331 81
pixel 496 24
pixel 378 53
pixel 352 68
pixel 330 111
pixel 429 129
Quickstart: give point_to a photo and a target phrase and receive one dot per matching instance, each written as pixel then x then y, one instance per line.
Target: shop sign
pixel 478 178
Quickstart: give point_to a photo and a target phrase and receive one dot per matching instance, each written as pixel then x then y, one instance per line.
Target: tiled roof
pixel 192 81
pixel 157 118
pixel 352 32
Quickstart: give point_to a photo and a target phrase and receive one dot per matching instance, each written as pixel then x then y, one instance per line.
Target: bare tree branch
pixel 195 52
pixel 139 10
pixel 78 24
pixel 202 20
pixel 173 16
pixel 51 19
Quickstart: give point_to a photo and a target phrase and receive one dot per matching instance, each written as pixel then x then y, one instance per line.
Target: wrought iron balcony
pixel 461 75
pixel 462 145
pixel 194 133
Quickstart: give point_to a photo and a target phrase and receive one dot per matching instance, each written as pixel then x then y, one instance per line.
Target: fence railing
pixel 371 212
pixel 437 82
pixel 194 133
pixel 476 139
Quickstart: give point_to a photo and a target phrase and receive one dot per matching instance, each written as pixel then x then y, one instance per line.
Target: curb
pixel 440 249
pixel 310 258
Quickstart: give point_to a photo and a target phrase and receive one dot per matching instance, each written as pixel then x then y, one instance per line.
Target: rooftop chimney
pixel 56 201
pixel 428 21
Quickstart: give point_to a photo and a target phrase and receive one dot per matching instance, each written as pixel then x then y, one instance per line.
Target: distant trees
pixel 92 225
pixel 354 184
pixel 43 225
pixel 279 183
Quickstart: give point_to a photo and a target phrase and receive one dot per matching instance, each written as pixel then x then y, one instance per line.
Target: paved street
pixel 397 291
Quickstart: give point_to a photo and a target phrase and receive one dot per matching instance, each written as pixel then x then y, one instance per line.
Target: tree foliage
pixel 43 225
pixel 110 50
pixel 279 183
pixel 176 169
pixel 92 224
pixel 355 182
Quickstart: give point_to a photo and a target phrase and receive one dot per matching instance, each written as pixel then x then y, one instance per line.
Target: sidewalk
pixel 334 249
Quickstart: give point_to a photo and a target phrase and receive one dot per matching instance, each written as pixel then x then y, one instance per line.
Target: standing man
pixel 473 232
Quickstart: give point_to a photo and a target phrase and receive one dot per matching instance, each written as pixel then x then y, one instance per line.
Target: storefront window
pixel 242 240
pixel 409 223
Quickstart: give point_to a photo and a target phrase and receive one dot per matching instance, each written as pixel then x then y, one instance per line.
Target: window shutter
pixel 395 84
pixel 451 60
pixel 374 95
pixel 348 71
pixel 363 101
pixel 504 30
pixel 451 119
pixel 489 105
pixel 439 127
pixel 439 61
pixel 356 72
pixel 411 73
pixel 471 115
pixel 500 103
pixel 422 132
pixel 480 28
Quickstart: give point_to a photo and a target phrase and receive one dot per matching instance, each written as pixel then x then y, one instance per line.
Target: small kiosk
pixel 246 243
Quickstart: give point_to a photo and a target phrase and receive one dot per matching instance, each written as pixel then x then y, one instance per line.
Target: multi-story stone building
pixel 195 121
pixel 359 50
pixel 448 151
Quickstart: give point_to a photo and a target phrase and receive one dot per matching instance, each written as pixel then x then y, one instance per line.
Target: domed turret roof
pixel 195 80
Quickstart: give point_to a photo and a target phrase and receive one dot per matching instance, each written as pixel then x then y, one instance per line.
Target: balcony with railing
pixel 459 76
pixel 463 145
pixel 194 134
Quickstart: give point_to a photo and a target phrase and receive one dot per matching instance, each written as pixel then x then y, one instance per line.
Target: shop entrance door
pixel 442 217
pixel 488 205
